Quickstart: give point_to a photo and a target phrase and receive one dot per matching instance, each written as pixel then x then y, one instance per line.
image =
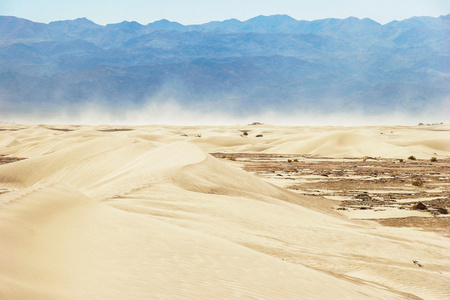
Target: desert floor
pixel 250 211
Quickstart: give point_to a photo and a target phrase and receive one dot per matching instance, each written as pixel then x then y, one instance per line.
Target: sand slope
pixel 147 213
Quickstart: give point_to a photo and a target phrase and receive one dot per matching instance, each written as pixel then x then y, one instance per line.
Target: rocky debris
pixel 419 206
pixel 417 263
pixel 442 210
pixel 368 157
pixel 364 197
pixel 376 183
pixel 7 159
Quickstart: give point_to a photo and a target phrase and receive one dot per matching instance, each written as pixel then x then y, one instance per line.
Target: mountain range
pixel 268 63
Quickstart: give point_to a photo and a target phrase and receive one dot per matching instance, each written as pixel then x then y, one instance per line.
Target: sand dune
pixel 100 212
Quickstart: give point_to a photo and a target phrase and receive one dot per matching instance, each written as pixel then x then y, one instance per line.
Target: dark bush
pixel 418 182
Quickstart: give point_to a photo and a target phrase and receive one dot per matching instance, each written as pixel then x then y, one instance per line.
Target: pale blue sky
pixel 202 11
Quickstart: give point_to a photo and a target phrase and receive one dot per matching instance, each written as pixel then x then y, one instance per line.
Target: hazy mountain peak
pixel 16 21
pixel 267 61
pixel 76 22
pixel 165 25
pixel 133 25
pixel 271 19
pixel 232 20
pixel 163 21
pixel 84 20
pixel 370 21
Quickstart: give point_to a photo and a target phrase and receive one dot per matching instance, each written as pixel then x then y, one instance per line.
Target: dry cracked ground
pixel 394 192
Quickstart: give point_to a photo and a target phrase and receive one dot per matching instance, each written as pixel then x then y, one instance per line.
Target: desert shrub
pixel 400 160
pixel 412 157
pixel 289 160
pixel 259 135
pixel 245 133
pixel 232 158
pixel 418 182
pixel 295 160
pixel 433 159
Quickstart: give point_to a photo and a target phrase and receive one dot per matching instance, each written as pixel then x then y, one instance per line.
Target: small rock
pixel 419 206
pixel 417 263
pixel 442 210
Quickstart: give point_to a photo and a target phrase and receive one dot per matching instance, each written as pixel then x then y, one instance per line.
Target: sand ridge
pixel 106 212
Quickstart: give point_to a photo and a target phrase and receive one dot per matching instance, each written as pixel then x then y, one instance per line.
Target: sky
pixel 189 12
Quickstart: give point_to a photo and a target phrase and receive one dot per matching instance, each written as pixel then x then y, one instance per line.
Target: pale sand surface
pixel 144 212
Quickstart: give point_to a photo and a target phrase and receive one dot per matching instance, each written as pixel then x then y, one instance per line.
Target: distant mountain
pixel 267 62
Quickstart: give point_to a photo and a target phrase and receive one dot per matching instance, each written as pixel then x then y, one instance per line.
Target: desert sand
pixel 145 212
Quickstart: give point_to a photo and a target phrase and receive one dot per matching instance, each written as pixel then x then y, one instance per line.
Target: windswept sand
pixel 144 212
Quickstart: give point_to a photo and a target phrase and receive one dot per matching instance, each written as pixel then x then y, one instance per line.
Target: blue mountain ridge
pixel 265 63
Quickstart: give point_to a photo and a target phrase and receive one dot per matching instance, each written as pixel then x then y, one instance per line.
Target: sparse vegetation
pixel 295 160
pixel 433 159
pixel 289 160
pixel 259 135
pixel 412 157
pixel 431 124
pixel 418 183
pixel 390 184
pixel 400 160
